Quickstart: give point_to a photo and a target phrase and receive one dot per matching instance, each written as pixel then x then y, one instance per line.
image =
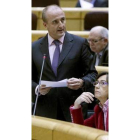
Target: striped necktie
pixel 98 56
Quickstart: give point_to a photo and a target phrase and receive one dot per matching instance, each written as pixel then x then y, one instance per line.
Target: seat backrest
pixel 44 3
pixel 34 21
pixel 96 18
pixel 51 129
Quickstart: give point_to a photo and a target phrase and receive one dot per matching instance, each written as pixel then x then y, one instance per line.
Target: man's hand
pixel 43 90
pixel 84 97
pixel 75 83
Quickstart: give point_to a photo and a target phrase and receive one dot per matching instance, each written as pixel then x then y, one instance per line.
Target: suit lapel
pixel 44 49
pixel 67 45
pixel 101 60
pixel 94 58
pixel 97 3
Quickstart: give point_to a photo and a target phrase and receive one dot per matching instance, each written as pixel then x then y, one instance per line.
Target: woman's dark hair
pixel 101 74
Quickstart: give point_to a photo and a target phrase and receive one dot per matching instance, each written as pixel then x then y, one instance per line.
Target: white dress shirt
pixel 98 57
pixel 52 46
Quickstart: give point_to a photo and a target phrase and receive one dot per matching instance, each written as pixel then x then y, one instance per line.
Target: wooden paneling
pixel 74 17
pixel 37 34
pixel 68 3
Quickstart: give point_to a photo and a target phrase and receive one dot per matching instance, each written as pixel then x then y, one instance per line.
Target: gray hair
pixel 102 31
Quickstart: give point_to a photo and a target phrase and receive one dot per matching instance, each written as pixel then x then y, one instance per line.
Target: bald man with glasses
pixel 98 41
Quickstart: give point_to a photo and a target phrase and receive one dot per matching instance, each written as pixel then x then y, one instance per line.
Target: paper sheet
pixel 62 83
pixel 85 4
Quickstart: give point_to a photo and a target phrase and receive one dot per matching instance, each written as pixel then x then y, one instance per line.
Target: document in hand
pixel 86 4
pixel 62 83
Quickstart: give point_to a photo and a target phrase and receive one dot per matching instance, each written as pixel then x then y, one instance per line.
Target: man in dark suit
pixel 96 3
pixel 74 63
pixel 98 41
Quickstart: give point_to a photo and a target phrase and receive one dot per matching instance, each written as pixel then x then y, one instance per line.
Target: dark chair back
pixel 96 18
pixel 34 21
pixel 44 3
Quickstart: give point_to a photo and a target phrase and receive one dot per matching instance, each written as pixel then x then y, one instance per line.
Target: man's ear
pixel 45 24
pixel 105 40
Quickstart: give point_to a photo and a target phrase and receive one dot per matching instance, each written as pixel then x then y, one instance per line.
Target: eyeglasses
pixel 101 83
pixel 94 41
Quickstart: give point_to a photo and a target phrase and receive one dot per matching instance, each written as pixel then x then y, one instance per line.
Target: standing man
pixel 98 41
pixel 73 62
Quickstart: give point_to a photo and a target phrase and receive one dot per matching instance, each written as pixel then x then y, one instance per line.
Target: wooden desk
pixel 102 69
pixel 74 17
pixel 50 129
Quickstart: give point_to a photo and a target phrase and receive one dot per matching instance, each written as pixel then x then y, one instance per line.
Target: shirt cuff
pixel 37 91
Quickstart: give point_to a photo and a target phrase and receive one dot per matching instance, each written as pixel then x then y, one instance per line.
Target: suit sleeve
pixel 106 58
pixel 34 76
pixel 88 67
pixel 34 81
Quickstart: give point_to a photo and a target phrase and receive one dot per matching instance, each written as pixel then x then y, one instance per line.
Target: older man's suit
pixel 98 3
pixel 75 61
pixel 104 58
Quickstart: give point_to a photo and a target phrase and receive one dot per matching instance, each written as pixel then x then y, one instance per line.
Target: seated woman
pixel 99 119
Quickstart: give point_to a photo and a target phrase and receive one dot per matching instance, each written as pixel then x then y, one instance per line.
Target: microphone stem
pixel 35 104
pixel 39 86
pixel 41 72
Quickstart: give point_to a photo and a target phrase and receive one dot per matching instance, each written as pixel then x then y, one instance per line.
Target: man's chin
pixel 60 34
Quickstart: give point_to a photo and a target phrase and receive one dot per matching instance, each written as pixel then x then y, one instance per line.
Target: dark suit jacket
pixel 75 61
pixel 104 59
pixel 96 120
pixel 98 3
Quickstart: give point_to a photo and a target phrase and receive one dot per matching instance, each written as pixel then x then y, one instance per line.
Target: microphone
pixel 44 57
